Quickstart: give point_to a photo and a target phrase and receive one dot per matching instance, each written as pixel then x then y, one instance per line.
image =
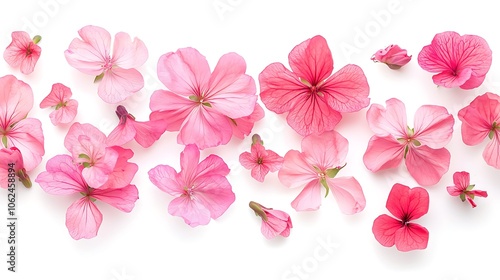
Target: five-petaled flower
pixel 23 51
pixel 464 189
pixel 260 160
pixel 393 56
pixel 274 222
pixel 65 108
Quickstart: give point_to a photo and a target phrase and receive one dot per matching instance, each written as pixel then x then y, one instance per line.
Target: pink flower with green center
pixel 260 160
pixel 274 222
pixel 23 52
pixel 65 109
pixel 464 189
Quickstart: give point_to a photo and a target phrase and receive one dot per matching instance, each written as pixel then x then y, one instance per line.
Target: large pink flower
pixel 83 218
pixel 322 157
pixel 92 56
pixel 201 104
pixel 481 119
pixel 464 189
pixel 274 222
pixel 23 51
pixel 460 61
pixel 313 98
pixel 422 147
pixel 260 160
pixel 65 109
pixel 201 189
pixel 16 100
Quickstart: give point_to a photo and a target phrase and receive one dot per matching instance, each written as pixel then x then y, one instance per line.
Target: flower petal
pixel 427 165
pixel 192 211
pixel 121 134
pixel 389 121
pixel 309 199
pixel 58 94
pixel 411 237
pixel 312 60
pixel 296 171
pixel 62 177
pixel 27 136
pixel 123 171
pixel 149 132
pixel 22 52
pixel 407 203
pixel 127 53
pixel 326 150
pixel 171 108
pixel 118 84
pixel 348 193
pixel 383 153
pixel 461 180
pixel 165 178
pixel 244 125
pixel 478 118
pixel 384 229
pixel 491 153
pixel 215 194
pixel 65 114
pixel 16 100
pixel 83 219
pixel 433 126
pixel 121 198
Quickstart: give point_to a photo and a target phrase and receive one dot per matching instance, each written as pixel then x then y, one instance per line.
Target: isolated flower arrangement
pixel 207 108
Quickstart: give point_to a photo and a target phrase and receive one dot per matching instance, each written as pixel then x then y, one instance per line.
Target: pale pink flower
pixel 274 222
pixel 322 157
pixel 12 167
pixel 201 189
pixel 422 147
pixel 16 130
pixel 201 104
pixel 463 188
pixel 83 218
pixel 65 108
pixel 23 51
pixel 313 98
pixel 123 172
pixel 92 56
pixel 481 119
pixel 393 56
pixel 244 125
pixel 459 61
pixel 260 160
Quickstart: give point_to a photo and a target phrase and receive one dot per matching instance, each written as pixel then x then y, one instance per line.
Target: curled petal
pixel 388 121
pixel 348 193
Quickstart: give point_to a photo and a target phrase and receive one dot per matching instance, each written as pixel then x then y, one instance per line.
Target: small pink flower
pixel 313 98
pixel 463 188
pixel 65 108
pixel 422 147
pixel 92 56
pixel 244 125
pixel 274 222
pixel 145 133
pixel 260 160
pixel 201 189
pixel 481 119
pixel 406 205
pixel 23 52
pixel 460 61
pixel 394 56
pixel 322 157
pixel 12 163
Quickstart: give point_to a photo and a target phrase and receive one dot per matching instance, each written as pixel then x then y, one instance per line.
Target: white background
pixel 148 243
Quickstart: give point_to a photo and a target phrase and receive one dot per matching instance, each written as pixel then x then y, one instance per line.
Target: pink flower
pixel 463 188
pixel 260 160
pixel 394 56
pixel 12 167
pixel 243 126
pixel 481 119
pixel 201 189
pixel 313 98
pixel 145 133
pixel 23 51
pixel 460 61
pixel 274 222
pixel 201 104
pixel 92 56
pixel 65 108
pixel 83 218
pixel 422 147
pixel 322 157
pixel 406 205
pixel 16 130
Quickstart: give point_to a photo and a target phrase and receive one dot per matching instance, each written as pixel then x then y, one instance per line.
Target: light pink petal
pixel 461 179
pixel 478 118
pixel 191 210
pixel 273 161
pixel 171 108
pixel 348 193
pixel 383 153
pixel 212 165
pixel 491 153
pixel 189 160
pixel 384 229
pixel 454 190
pixel 62 177
pixel 312 60
pixel 394 56
pixel 127 53
pixel 123 172
pixel 259 172
pixel 122 199
pixel 243 126
pixel 296 171
pixel 427 165
pixel 309 199
pixel 73 138
pixel 407 203
pixel 83 219
pixel 215 194
pixel 149 131
pixel 389 121
pixel 165 178
pixel 98 174
pixel 273 227
pixel 58 94
pixel 121 134
pixel 118 84
pixel 248 160
pixel 205 128
pixel 27 136
pixel 411 237
pixel 16 100
pixel 65 114
pixel 22 52
pixel 326 150
pixel 433 126
pixel 8 157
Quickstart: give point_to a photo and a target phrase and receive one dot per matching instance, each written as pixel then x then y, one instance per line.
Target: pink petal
pixel 248 160
pixel 312 60
pixel 16 100
pixel 259 172
pixel 407 203
pixel 411 237
pixel 478 118
pixel 243 126
pixel 348 193
pixel 215 194
pixel 454 190
pixel 461 180
pixel 123 171
pixel 83 219
pixel 8 157
pixel 390 121
pixel 165 178
pixel 273 227
pixel 65 114
pixel 149 132
pixel 22 52
pixel 118 84
pixel 471 202
pixel 427 165
pixel 190 158
pixel 73 139
pixel 98 174
pixel 450 79
pixel 212 165
pixel 127 53
pixel 491 153
pixel 479 193
pixel 273 161
pixel 122 199
pixel 191 210
pixel 62 177
pixel 121 134
pixel 383 153
pixel 309 199
pixel 384 229
pixel 394 56
pixel 59 94
pixel 171 108
pixel 326 150
pixel 27 136
pixel 296 171
pixel 433 126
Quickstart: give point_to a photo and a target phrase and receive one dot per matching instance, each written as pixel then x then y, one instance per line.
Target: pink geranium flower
pixel 145 133
pixel 83 218
pixel 260 160
pixel 274 222
pixel 201 189
pixel 65 108
pixel 460 61
pixel 23 51
pixel 201 104
pixel 12 163
pixel 16 130
pixel 313 98
pixel 422 147
pixel 393 56
pixel 406 205
pixel 481 119
pixel 92 56
pixel 244 125
pixel 322 157
pixel 463 188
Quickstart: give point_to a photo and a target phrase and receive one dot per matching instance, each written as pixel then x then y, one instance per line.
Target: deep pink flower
pixel 65 108
pixel 460 61
pixel 83 218
pixel 313 98
pixel 244 125
pixel 23 51
pixel 260 160
pixel 322 157
pixel 463 188
pixel 92 56
pixel 201 104
pixel 201 189
pixel 394 56
pixel 406 205
pixel 274 222
pixel 422 147
pixel 481 119
pixel 16 130
pixel 145 133
pixel 12 167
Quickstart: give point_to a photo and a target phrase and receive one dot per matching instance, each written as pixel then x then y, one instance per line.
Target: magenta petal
pixel 118 84
pixel 427 165
pixel 449 79
pixel 83 219
pixel 384 229
pixel 383 153
pixel 433 126
pixel 388 121
pixel 461 179
pixel 192 211
pixel 312 60
pixel 348 193
pixel 411 237
pixel 454 191
pixel 127 53
pixel 122 199
pixel 407 203
pixel 309 199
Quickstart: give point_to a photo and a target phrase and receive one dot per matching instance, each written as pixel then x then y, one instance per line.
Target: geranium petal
pixel 348 193
pixel 478 118
pixel 384 229
pixel 27 136
pixel 407 203
pixel 296 171
pixel 121 198
pixel 433 126
pixel 411 237
pixel 491 153
pixel 309 199
pixel 192 211
pixel 215 194
pixel 327 150
pixel 83 219
pixel 127 53
pixel 65 114
pixel 388 121
pixel 171 108
pixel 165 178
pixel 62 177
pixel 461 179
pixel 312 60
pixel 121 134
pixel 118 84
pixel 16 100
pixel 243 126
pixel 383 153
pixel 427 165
